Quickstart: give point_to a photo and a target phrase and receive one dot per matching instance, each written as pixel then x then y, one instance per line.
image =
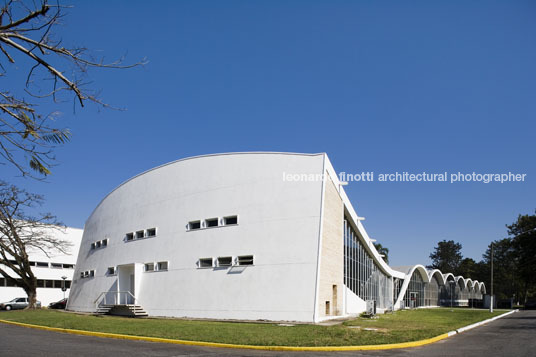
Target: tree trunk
pixel 32 298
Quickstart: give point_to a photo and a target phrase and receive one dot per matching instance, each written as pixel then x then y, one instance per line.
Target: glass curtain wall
pixel 431 292
pixel 414 296
pixel 361 273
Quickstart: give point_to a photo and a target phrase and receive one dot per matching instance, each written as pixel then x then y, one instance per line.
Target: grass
pixel 400 326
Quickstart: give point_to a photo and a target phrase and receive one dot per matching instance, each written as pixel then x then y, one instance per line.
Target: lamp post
pixel 491 297
pixel 63 288
pixel 451 291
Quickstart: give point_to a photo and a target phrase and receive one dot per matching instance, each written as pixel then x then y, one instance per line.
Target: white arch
pixel 438 274
pixel 424 275
pixel 461 282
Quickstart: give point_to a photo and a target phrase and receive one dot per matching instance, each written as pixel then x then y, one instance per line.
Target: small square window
pixel 49 283
pixel 205 263
pixel 225 261
pixel 32 264
pixel 40 283
pixel 104 242
pixel 228 221
pixel 149 267
pixel 68 284
pixel 194 225
pixel 92 245
pixel 140 234
pixel 110 271
pixel 245 260
pixel 130 236
pixel 82 274
pixel 91 273
pixel 151 232
pixel 162 266
pixel 98 244
pixel 211 222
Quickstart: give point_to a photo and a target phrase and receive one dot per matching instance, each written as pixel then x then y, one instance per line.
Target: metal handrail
pixel 115 298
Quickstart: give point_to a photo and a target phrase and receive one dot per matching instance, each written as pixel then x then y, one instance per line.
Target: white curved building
pixel 238 236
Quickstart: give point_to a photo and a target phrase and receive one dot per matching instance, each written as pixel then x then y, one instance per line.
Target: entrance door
pixel 130 299
pixel 126 284
pixel 413 299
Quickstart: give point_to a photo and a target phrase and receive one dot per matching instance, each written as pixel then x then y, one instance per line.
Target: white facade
pixel 48 271
pixel 152 242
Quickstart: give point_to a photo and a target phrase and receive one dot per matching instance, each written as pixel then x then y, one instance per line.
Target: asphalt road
pixel 514 335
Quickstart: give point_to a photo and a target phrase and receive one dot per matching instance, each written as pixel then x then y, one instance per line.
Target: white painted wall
pixel 278 223
pixel 354 304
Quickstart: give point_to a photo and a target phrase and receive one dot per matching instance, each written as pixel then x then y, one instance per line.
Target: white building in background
pixel 240 236
pixel 48 271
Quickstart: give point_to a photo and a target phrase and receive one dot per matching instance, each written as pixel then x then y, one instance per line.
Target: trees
pixel 27 136
pixel 514 260
pixel 53 73
pixel 383 251
pixel 20 233
pixel 523 236
pixel 446 256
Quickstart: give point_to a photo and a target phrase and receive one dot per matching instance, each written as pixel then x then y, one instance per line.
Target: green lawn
pixel 401 326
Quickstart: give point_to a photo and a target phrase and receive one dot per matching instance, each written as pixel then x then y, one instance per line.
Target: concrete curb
pixel 468 327
pixel 266 348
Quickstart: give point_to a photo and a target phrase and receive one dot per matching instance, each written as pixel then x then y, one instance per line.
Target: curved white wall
pixel 278 223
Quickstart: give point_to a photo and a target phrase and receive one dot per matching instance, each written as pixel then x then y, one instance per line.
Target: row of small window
pixel 41 283
pixel 159 266
pixel 242 260
pixel 99 244
pixel 144 233
pixel 87 274
pixel 212 222
pixel 48 265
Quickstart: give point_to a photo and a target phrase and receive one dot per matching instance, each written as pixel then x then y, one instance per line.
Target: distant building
pixel 48 271
pixel 242 236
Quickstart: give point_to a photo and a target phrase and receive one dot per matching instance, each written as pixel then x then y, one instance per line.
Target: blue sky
pixel 380 86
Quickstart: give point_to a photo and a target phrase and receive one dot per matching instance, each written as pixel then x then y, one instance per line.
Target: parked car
pixel 58 304
pixel 530 305
pixel 17 303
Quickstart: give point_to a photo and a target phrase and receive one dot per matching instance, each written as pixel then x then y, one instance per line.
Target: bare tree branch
pixel 28 137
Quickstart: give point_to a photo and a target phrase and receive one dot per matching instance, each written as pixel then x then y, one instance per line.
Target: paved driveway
pixel 514 335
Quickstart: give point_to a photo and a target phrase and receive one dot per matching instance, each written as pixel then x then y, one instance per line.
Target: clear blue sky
pixel 380 86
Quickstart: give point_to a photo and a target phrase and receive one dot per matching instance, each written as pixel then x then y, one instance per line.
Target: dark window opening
pixel 230 220
pixel 225 261
pixel 49 283
pixel 140 234
pixel 151 232
pixel 212 222
pixel 194 225
pixel 245 260
pixel 205 263
pixel 41 264
pixel 105 243
pixel 130 236
pixel 110 271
